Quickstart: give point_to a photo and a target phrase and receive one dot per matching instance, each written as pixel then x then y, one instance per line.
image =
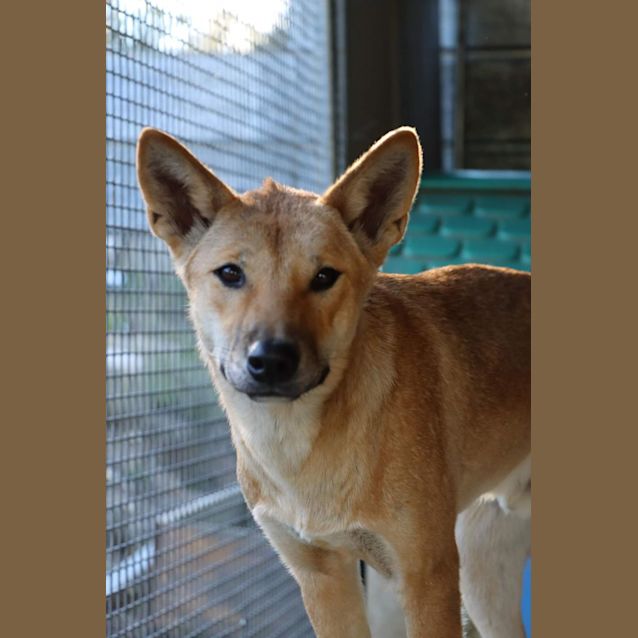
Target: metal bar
pixel 141 561
pixel 459 101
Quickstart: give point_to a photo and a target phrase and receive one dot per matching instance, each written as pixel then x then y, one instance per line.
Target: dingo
pixel 368 410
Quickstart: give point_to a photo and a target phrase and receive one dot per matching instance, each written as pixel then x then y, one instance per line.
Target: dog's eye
pixel 324 279
pixel 231 275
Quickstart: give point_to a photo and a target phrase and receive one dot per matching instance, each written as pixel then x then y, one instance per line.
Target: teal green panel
pixel 489 251
pixel 480 181
pixel 403 265
pixel 423 223
pixel 526 253
pixel 501 207
pixel 430 246
pixel 467 227
pixel 469 217
pixel 443 204
pixel 515 229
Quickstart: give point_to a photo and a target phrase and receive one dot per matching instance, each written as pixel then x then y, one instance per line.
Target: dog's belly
pixel 364 544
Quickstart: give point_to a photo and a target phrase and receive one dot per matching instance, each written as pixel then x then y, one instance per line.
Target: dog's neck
pixel 273 439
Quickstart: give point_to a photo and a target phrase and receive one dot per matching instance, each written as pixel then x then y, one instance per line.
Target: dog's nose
pixel 273 361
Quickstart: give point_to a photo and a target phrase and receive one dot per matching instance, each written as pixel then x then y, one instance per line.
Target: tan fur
pixel 426 406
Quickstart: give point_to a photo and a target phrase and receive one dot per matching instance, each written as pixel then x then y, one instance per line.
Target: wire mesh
pixel 246 85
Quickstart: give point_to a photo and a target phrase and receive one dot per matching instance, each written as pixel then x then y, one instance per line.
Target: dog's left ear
pixel 375 194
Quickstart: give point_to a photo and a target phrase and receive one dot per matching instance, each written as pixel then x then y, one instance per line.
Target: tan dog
pixel 367 409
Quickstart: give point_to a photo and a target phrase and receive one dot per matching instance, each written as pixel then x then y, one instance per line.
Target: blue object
pixel 526 602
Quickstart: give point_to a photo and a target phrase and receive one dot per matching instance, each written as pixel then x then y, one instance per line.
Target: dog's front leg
pixel 333 598
pixel 428 565
pixel 431 599
pixel 329 581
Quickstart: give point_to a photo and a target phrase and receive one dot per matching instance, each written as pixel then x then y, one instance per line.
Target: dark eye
pixel 324 279
pixel 231 275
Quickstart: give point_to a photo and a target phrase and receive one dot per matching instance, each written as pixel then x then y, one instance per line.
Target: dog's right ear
pixel 182 196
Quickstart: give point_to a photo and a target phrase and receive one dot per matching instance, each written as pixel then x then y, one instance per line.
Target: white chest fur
pixel 277 437
pixel 275 440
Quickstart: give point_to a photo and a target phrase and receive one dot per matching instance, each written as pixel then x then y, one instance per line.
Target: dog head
pixel 277 277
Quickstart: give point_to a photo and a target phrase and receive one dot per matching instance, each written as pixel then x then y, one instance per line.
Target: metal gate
pixel 246 85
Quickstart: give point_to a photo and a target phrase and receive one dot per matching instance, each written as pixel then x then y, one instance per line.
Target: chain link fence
pixel 246 85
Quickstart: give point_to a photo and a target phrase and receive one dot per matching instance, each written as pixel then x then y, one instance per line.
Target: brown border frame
pixel 583 193
pixel 53 518
pixel 584 289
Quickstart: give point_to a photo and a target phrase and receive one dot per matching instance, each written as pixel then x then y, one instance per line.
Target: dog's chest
pixel 331 532
pixel 364 544
pixel 314 506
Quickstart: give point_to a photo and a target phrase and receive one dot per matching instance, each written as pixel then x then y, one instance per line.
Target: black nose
pixel 272 361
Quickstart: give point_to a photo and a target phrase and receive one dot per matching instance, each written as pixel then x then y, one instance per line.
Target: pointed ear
pixel 375 194
pixel 182 196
